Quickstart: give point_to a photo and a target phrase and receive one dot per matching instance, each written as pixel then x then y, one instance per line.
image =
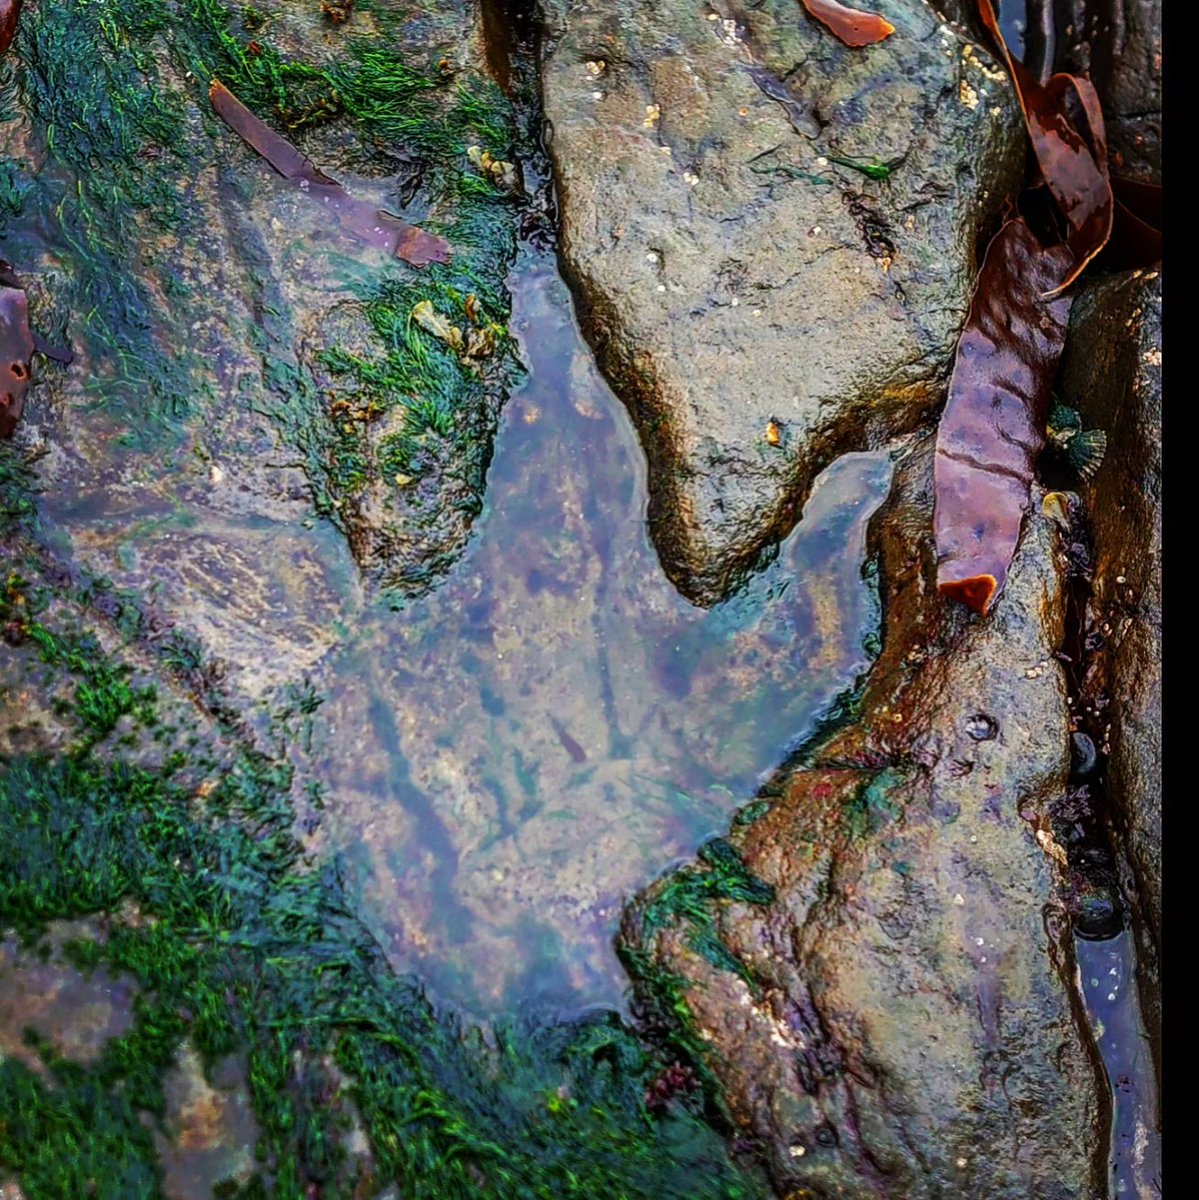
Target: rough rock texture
pixel 244 372
pixel 1119 44
pixel 900 1019
pixel 732 275
pixel 1112 371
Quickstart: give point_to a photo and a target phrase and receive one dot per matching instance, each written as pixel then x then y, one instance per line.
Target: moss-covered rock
pixel 149 843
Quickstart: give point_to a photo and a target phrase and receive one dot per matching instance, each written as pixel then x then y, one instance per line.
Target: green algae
pixel 689 896
pixel 872 805
pixel 116 99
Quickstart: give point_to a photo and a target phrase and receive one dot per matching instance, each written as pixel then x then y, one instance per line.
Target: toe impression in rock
pixel 993 426
pixel 16 354
pixel 1065 125
pixel 360 218
pixel 854 28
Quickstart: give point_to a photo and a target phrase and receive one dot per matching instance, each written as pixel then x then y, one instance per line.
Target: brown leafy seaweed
pixel 1065 125
pixel 853 27
pixel 10 14
pixel 16 355
pixel 360 218
pixel 993 426
pixel 1137 227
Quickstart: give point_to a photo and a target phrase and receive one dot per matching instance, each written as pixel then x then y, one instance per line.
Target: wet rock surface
pixel 246 379
pixel 895 1013
pixel 742 288
pixel 42 994
pixel 1113 370
pixel 878 958
pixel 1118 43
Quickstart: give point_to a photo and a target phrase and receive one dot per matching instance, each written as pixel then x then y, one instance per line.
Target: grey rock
pixel 732 275
pixel 1119 44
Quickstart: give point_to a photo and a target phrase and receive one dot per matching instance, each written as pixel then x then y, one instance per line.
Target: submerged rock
pixel 773 240
pixel 1112 368
pixel 892 1010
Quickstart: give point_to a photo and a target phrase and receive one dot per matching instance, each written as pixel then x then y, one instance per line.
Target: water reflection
pixel 510 758
pixel 1107 982
pixel 507 760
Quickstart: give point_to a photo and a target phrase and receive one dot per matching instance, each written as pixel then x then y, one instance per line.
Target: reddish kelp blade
pixel 10 13
pixel 360 218
pixel 275 148
pixel 16 353
pixel 993 426
pixel 854 28
pixel 1065 125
